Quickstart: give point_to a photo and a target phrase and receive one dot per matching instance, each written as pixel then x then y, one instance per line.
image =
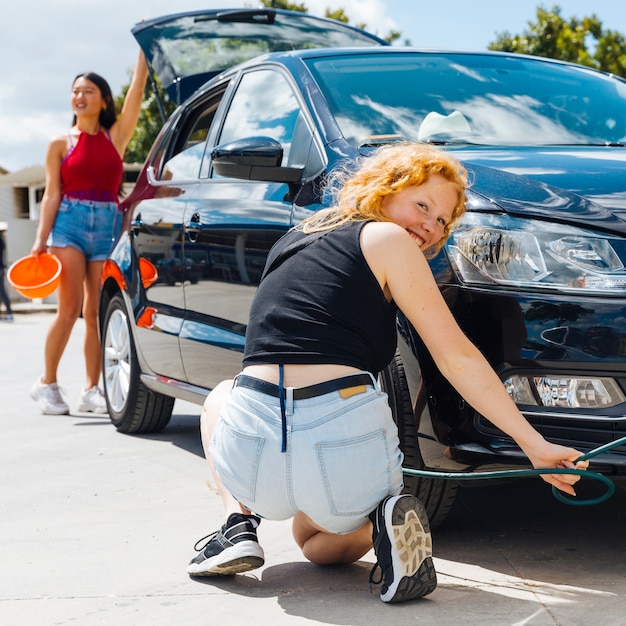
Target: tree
pixel 333 14
pixel 283 4
pixel 582 41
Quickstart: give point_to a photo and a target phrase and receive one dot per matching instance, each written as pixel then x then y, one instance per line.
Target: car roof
pixel 187 49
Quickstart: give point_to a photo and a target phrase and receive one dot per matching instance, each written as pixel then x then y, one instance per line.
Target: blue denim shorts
pixel 342 455
pixel 89 226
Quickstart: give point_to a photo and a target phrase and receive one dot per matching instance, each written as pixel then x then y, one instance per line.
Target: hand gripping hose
pixel 610 486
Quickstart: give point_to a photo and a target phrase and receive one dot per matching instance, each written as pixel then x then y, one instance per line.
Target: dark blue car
pixel 534 273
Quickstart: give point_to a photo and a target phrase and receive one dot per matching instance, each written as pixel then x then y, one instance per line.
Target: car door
pixel 230 226
pixel 158 234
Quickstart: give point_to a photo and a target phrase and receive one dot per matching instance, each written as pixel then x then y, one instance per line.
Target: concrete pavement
pixel 97 527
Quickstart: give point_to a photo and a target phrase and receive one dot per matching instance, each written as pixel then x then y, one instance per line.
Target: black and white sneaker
pixel 231 550
pixel 403 548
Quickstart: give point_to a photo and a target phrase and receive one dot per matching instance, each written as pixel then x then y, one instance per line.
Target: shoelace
pixel 372 572
pixel 207 540
pixel 57 394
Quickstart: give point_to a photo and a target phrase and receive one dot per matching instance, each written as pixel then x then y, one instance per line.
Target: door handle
pixel 136 225
pixel 193 227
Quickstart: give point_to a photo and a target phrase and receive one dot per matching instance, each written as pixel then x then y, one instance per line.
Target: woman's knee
pixel 67 314
pixel 90 316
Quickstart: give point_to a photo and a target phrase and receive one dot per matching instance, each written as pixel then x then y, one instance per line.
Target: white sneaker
pixel 49 398
pixel 92 401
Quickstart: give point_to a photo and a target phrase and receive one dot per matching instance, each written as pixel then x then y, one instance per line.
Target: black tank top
pixel 322 305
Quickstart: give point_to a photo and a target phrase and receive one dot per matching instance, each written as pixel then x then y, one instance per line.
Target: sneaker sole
pixel 411 553
pixel 82 408
pixel 234 560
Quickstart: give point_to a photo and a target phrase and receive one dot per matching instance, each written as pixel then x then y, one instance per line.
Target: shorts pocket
pixel 65 207
pixel 356 472
pixel 236 457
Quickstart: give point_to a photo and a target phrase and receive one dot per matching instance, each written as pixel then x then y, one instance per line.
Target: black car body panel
pixel 534 273
pixel 583 186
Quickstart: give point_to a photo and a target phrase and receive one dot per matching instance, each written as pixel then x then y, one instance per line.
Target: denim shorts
pixel 342 455
pixel 89 226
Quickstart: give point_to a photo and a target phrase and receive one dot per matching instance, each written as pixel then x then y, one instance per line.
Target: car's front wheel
pixel 436 495
pixel 133 408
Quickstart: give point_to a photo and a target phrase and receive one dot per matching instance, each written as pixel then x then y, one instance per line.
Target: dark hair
pixel 107 115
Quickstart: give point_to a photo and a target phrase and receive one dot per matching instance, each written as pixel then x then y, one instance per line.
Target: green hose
pixel 536 472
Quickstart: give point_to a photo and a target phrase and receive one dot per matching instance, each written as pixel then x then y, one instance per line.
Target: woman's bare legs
pixel 92 348
pixel 79 288
pixel 69 302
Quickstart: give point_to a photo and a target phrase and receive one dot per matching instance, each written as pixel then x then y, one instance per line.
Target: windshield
pixel 470 98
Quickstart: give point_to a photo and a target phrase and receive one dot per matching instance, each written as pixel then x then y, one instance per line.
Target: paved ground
pixel 97 527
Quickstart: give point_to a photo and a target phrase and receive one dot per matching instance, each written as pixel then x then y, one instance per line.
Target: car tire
pixel 133 408
pixel 436 495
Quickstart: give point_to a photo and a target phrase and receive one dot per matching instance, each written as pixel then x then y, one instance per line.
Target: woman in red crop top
pixel 80 222
pixel 304 431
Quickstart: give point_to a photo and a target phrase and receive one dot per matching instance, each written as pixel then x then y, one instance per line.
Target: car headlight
pixel 491 249
pixel 566 392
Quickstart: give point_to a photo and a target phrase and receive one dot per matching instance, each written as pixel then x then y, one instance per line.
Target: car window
pixel 473 98
pixel 186 158
pixel 263 105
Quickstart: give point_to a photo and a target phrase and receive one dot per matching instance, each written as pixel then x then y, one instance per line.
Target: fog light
pixel 588 393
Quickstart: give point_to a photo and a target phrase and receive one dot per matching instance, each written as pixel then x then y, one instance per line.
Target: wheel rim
pixel 116 361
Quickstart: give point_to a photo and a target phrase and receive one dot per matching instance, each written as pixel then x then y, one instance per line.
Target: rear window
pixel 203 43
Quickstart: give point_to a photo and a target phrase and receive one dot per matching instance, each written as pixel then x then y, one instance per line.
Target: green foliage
pixel 582 41
pixel 394 35
pixel 339 15
pixel 333 14
pixel 283 4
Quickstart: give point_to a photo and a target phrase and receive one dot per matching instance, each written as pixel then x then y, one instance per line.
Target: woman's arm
pixel 52 193
pixel 405 275
pixel 124 127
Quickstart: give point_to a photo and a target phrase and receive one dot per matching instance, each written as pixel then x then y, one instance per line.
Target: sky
pixel 44 44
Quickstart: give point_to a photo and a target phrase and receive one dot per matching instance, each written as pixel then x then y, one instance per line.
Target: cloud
pixel 372 13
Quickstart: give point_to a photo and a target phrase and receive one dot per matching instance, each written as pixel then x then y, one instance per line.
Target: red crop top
pixel 92 169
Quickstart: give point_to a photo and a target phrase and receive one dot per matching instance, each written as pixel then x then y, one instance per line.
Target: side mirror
pixel 254 158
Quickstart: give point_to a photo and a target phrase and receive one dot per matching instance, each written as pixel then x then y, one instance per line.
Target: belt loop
pixel 289 401
pixel 281 398
pixel 375 381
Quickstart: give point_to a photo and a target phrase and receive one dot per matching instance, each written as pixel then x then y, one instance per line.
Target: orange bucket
pixel 35 277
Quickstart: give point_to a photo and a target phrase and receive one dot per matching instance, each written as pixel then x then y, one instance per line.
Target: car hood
pixel 187 49
pixel 584 186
